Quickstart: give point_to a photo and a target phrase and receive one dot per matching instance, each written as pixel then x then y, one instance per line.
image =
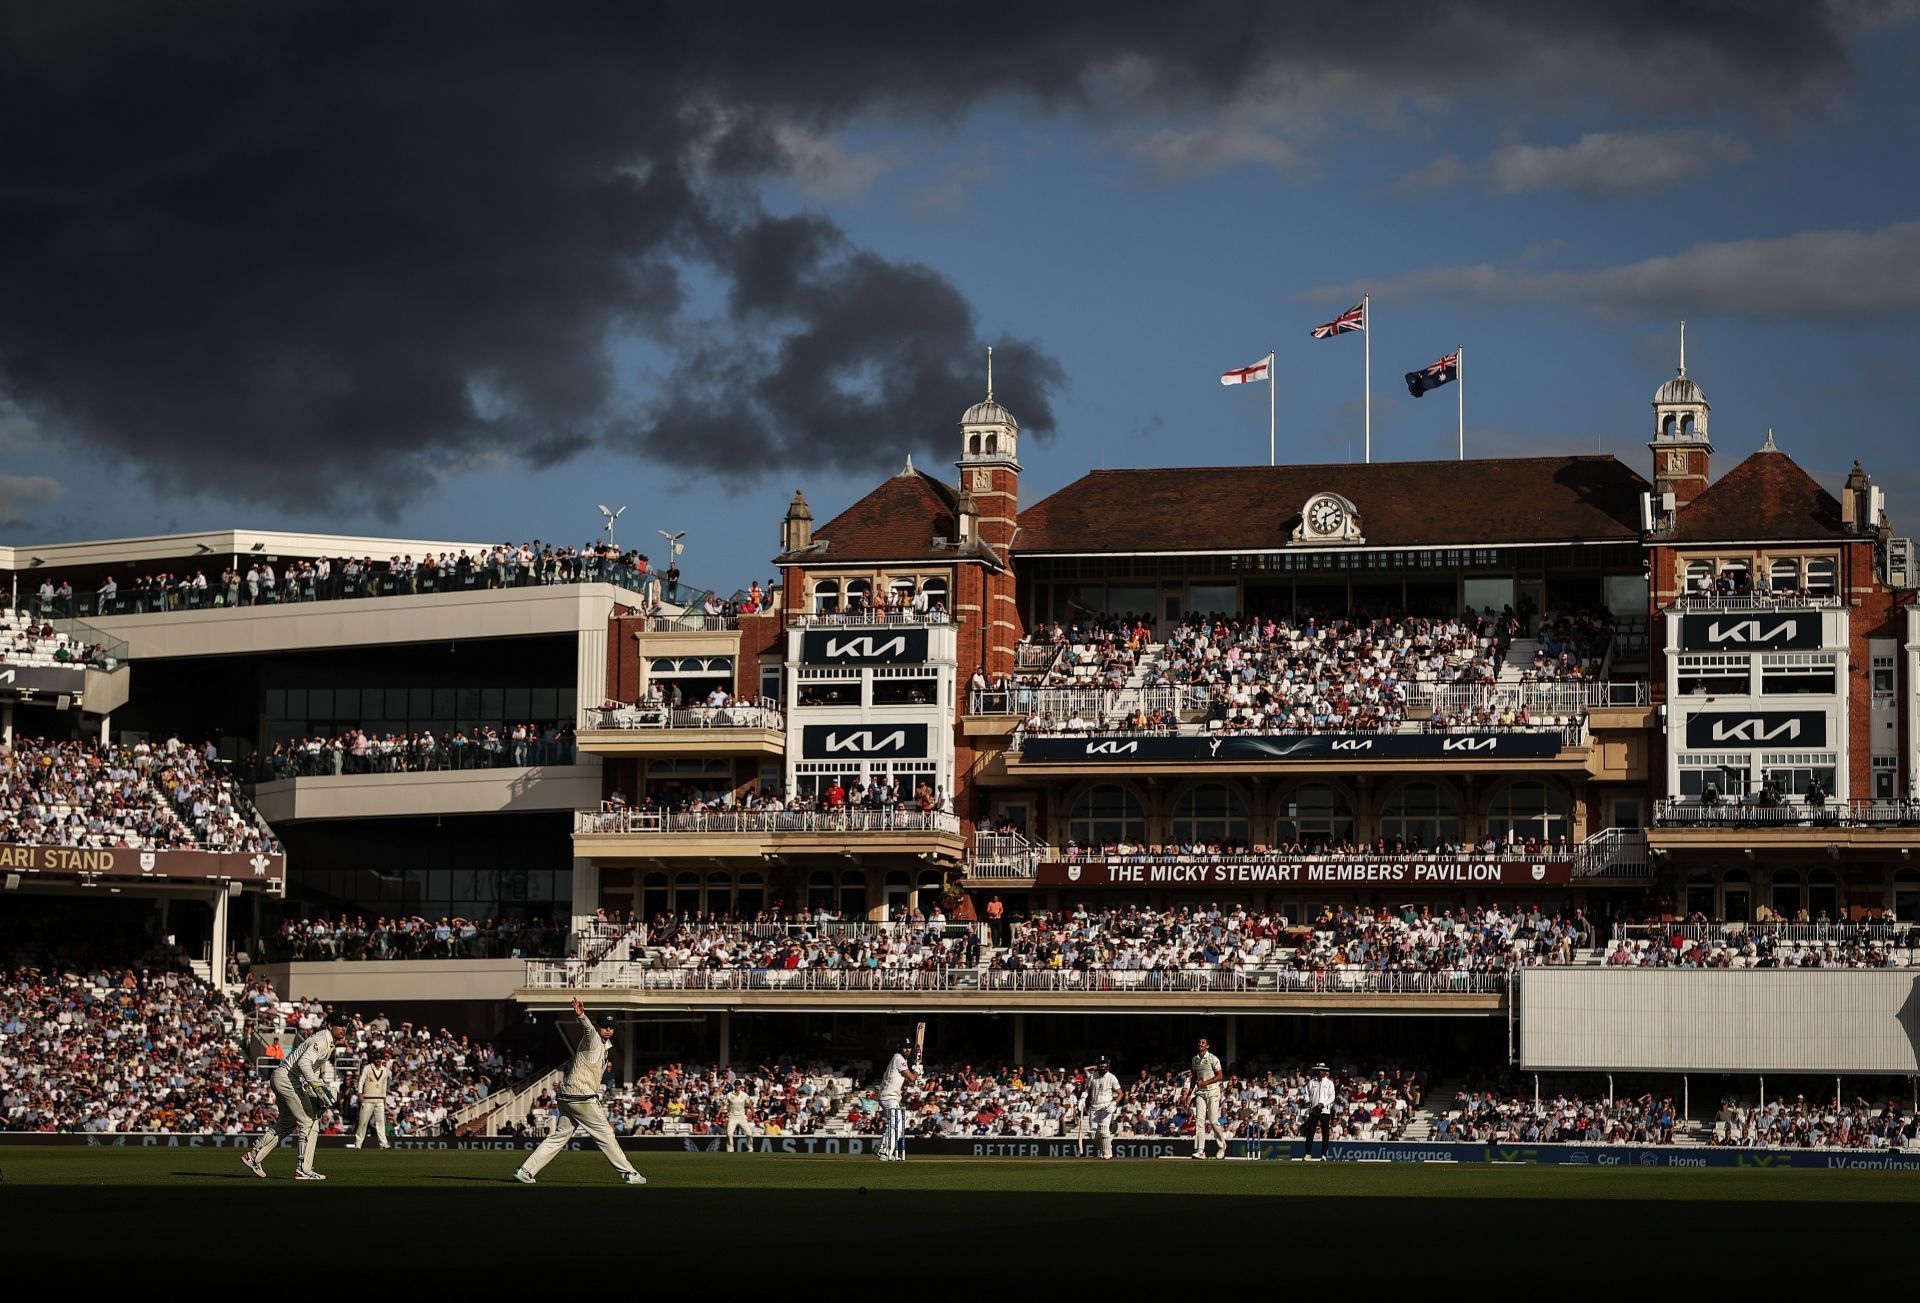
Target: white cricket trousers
pixel 1206 1117
pixel 1101 1122
pixel 294 1120
pixel 893 1140
pixel 586 1117
pixel 373 1112
pixel 745 1137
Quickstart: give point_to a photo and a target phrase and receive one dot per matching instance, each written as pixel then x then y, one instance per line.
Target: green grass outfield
pixel 1118 1221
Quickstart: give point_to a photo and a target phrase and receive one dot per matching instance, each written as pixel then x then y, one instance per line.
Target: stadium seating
pixel 144 796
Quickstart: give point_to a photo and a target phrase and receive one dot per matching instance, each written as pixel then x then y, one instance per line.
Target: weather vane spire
pixel 989 373
pixel 1683 348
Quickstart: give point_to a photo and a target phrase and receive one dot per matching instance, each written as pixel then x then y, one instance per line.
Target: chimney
pixel 796 531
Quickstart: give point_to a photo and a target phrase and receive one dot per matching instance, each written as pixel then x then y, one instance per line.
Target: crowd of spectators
pixel 358 751
pixel 416 937
pixel 1572 648
pixel 1761 947
pixel 1009 1100
pixel 784 1099
pixel 140 797
pixel 1411 939
pixel 1505 1110
pixel 1822 1124
pixel 678 805
pixel 505 565
pixel 1343 675
pixel 28 640
pixel 1099 654
pixel 921 944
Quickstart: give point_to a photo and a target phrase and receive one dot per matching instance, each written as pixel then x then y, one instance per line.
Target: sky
pixel 467 271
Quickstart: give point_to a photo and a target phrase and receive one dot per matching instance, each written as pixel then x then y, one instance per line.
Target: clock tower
pixel 1680 444
pixel 989 468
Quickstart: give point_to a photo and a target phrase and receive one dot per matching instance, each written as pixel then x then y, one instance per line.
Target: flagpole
pixel 1272 383
pixel 1366 320
pixel 1460 383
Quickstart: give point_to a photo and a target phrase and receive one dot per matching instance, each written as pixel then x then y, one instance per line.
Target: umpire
pixel 1319 1098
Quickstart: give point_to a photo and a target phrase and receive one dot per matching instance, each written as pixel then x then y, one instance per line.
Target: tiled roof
pixel 1405 504
pixel 897 521
pixel 1765 498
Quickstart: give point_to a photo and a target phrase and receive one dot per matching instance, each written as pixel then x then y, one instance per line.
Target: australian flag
pixel 1445 371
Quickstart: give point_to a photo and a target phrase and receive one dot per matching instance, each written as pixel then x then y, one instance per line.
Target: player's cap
pixel 604 1022
pixel 1321 1067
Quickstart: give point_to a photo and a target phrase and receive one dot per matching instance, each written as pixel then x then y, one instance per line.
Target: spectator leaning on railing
pixel 417 937
pixel 359 752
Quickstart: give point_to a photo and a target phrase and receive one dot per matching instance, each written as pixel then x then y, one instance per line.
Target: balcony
pixel 740 728
pixel 872 617
pixel 414 793
pixel 1327 989
pixel 629 835
pixel 1872 827
pixel 1754 602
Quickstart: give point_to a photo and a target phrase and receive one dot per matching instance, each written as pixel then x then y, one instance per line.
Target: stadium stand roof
pixel 1766 498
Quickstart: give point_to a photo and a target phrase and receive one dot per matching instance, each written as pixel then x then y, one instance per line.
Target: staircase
pixel 1520 654
pixel 1436 1104
pixel 485 1116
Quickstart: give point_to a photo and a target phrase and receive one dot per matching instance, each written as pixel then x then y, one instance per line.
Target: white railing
pixel 1791 933
pixel 1787 812
pixel 759 713
pixel 875 616
pixel 628 822
pixel 1003 855
pixel 548 975
pixel 1614 853
pixel 1559 697
pixel 1752 601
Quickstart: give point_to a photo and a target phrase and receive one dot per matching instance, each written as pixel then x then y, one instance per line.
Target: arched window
pixel 904 587
pixel 1784 573
pixel 1523 810
pixel 753 894
pixel 1700 892
pixel 1667 426
pixel 1820 576
pixel 1823 895
pixel 686 893
pixel 899 895
pixel 719 893
pixel 859 594
pixel 1315 814
pixel 936 590
pixel 1686 426
pixel 1906 895
pixel 931 886
pixel 1784 893
pixel 993 444
pixel 653 896
pixel 820 890
pixel 1423 814
pixel 973 445
pixel 1736 896
pixel 1211 812
pixel 826 596
pixel 853 894
pixel 1107 813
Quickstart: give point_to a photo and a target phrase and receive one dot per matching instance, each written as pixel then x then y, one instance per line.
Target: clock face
pixel 1325 516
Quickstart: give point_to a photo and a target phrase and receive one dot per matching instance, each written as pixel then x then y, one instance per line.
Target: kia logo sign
pixel 1767 632
pixel 1756 728
pixel 898 647
pixel 858 741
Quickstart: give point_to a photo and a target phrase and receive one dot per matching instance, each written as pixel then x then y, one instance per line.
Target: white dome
pixel 989 413
pixel 1680 391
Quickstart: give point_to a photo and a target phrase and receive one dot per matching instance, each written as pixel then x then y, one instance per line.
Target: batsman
pixel 301 1089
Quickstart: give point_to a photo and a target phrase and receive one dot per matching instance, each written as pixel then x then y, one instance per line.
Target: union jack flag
pixel 1354 318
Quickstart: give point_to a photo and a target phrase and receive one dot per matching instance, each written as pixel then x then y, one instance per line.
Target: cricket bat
pixel 919 1042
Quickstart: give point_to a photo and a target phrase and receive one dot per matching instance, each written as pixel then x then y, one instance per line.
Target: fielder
pixel 1103 1099
pixel 300 1088
pixel 893 1140
pixel 1207 1079
pixel 739 1135
pixel 580 1109
pixel 372 1090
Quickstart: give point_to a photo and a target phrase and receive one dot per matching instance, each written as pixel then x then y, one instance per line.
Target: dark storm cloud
pixel 333 252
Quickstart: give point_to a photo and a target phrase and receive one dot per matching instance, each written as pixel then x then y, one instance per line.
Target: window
pixel 820 890
pixel 1784 574
pixel 1784 895
pixel 1700 892
pixel 1823 895
pixel 719 893
pixel 905 691
pixel 1697 571
pixel 1529 810
pixel 1210 812
pixel 936 591
pixel 770 685
pixel 1884 777
pixel 1883 680
pixel 899 895
pixel 653 896
pixel 1786 674
pixel 1906 895
pixel 853 894
pixel 1315 814
pixel 859 594
pixel 826 596
pixel 1106 813
pixel 686 893
pixel 1821 573
pixel 753 894
pixel 1623 812
pixel 1736 896
pixel 1421 813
